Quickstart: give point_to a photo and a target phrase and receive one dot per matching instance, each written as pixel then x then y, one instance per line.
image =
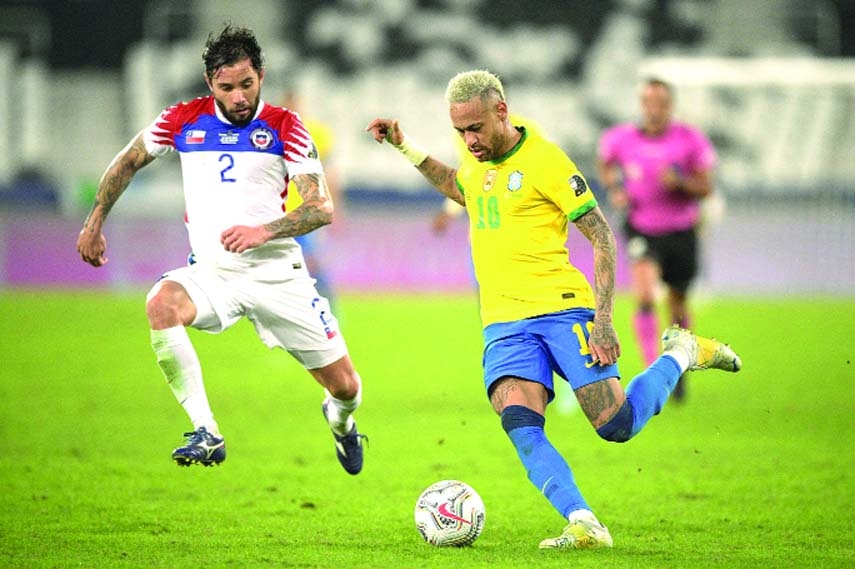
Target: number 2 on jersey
pixel 230 163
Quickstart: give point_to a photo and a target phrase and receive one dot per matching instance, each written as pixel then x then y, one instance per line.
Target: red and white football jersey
pixel 234 175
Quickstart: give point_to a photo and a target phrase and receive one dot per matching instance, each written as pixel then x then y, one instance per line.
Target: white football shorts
pixel 289 314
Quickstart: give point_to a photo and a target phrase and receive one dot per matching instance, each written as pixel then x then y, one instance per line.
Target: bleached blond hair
pixel 478 83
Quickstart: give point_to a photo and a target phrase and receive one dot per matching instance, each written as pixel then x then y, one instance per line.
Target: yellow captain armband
pixel 412 151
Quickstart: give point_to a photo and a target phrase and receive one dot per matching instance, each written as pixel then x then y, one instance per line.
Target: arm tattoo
pixel 315 212
pixel 441 176
pixel 595 227
pixel 115 180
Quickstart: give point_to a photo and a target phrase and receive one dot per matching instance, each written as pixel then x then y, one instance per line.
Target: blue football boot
pixel 348 448
pixel 202 448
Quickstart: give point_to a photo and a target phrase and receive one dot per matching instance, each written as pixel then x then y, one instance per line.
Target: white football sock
pixel 680 356
pixel 340 412
pixel 180 366
pixel 586 515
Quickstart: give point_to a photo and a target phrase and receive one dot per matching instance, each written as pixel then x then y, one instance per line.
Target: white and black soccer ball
pixel 450 513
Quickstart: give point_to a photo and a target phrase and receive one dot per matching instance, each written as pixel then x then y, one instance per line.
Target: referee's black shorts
pixel 676 253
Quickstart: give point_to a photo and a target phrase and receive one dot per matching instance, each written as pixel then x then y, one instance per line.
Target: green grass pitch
pixel 754 470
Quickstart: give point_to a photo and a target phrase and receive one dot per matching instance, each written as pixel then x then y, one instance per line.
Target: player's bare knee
pixel 516 391
pixel 160 314
pixel 345 387
pixel 163 307
pixel 339 378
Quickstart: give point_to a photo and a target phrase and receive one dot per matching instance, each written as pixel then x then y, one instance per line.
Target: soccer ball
pixel 450 513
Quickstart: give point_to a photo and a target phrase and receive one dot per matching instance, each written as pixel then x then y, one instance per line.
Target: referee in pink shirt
pixel 656 173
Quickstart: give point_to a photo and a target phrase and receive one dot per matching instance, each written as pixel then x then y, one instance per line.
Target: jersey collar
pixel 522 130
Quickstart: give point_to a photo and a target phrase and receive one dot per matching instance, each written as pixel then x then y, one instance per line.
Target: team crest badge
pixel 489 180
pixel 515 181
pixel 261 138
pixel 578 185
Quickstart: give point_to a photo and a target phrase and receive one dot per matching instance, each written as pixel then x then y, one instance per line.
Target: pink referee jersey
pixel 234 175
pixel 643 159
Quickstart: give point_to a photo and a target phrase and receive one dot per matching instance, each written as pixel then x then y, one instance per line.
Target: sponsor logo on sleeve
pixel 578 185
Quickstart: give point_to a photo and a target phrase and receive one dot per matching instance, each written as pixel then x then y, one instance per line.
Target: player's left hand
pixel 603 343
pixel 240 238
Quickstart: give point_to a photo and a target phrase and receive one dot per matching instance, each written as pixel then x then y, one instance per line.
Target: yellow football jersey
pixel 520 207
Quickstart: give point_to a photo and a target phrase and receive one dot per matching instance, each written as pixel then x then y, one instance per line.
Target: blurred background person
pixel 656 173
pixel 312 243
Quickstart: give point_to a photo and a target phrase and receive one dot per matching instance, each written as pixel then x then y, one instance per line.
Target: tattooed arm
pixel 91 243
pixel 603 340
pixel 440 175
pixel 315 211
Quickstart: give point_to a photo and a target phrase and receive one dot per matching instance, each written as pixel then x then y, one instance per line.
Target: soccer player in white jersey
pixel 238 155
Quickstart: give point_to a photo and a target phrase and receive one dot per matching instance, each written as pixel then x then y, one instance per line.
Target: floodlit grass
pixel 754 470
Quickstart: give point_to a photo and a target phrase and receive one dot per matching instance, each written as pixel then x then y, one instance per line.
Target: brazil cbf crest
pixel 515 180
pixel 261 138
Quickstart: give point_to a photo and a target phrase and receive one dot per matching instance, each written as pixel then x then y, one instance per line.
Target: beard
pixel 235 117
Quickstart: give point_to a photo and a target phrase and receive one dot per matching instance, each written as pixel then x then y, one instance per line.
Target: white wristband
pixel 412 151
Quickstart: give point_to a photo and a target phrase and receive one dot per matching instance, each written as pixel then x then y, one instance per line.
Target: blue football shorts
pixel 538 348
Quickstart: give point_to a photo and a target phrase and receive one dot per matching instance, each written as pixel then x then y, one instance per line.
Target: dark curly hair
pixel 229 47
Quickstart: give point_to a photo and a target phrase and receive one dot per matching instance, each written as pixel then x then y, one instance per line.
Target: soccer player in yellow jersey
pixel 540 315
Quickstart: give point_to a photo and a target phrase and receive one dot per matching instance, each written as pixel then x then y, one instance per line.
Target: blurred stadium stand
pixel 772 82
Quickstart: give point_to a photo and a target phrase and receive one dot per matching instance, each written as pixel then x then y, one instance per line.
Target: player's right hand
pixel 386 129
pixel 91 246
pixel 603 343
pixel 241 238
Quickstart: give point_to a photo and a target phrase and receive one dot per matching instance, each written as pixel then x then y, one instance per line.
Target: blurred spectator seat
pixel 30 189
